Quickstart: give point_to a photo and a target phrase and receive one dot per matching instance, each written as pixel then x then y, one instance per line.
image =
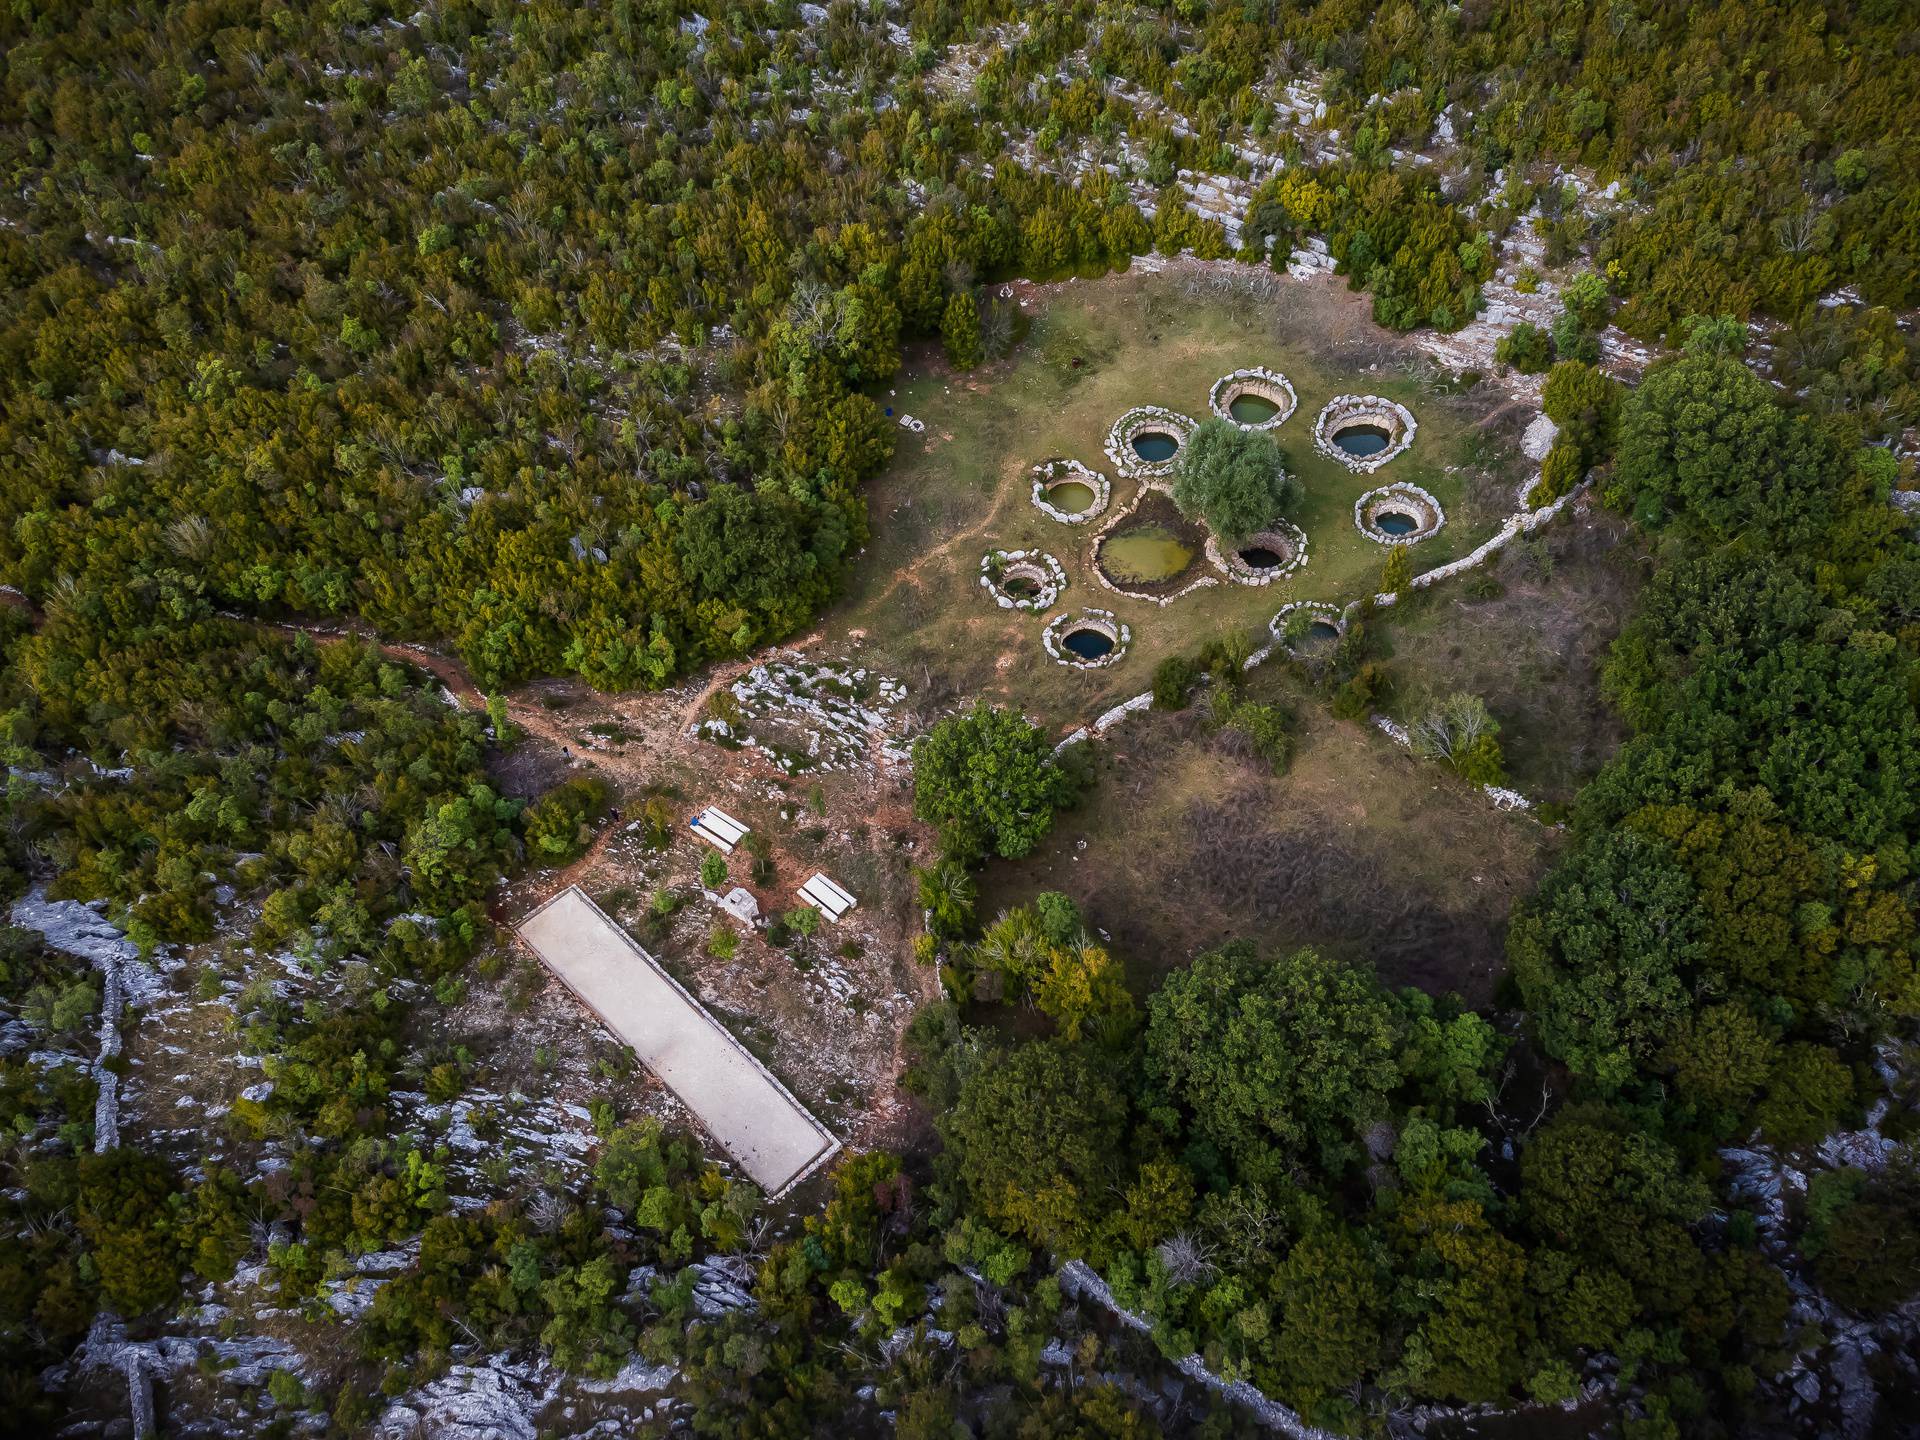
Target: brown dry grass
pixel 1359 849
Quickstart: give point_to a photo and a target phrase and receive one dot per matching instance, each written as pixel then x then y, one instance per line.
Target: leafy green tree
pixel 987 778
pixel 1235 480
pixel 559 825
pixel 1278 1061
pixel 1808 1091
pixel 960 330
pixel 1465 1284
pixel 1721 1055
pixel 1704 437
pixel 1333 1302
pixel 1863 1235
pixel 125 1210
pixel 1601 955
pixel 1035 1142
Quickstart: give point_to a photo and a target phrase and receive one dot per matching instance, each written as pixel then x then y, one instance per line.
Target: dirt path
pixel 910 575
pixel 523 712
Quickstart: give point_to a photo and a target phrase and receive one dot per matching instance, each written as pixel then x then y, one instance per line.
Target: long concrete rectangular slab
pixel 735 1098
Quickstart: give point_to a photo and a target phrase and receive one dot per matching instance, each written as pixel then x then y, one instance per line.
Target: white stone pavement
pixel 733 1096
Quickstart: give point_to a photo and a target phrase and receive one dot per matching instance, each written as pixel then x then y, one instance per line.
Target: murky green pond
pixel 1253 409
pixel 1145 552
pixel 1070 496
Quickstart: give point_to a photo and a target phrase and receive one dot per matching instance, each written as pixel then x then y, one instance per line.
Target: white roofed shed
pixel 824 895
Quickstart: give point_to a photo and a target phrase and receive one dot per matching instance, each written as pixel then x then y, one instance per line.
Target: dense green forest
pixel 558 336
pixel 1347 1195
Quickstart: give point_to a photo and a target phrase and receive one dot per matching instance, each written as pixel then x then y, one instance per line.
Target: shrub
pixel 1173 678
pixel 1526 348
pixel 1396 574
pixel 1563 469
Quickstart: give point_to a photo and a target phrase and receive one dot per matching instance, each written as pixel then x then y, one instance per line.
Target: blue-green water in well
pixel 1362 439
pixel 1089 644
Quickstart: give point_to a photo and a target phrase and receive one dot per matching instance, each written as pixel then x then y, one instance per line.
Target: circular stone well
pixel 1325 624
pixel 1065 490
pixel 1253 399
pixel 1363 432
pixel 1261 559
pixel 1398 515
pixel 1087 640
pixel 1022 579
pixel 1146 441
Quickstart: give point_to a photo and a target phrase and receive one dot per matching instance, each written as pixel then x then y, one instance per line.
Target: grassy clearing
pixel 1359 848
pixel 1528 636
pixel 1096 349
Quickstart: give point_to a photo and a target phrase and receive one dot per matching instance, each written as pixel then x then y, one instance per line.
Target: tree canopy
pixel 988 779
pixel 1235 480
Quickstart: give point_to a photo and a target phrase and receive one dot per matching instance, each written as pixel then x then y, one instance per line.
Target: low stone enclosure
pixel 1363 432
pixel 1318 613
pixel 1398 515
pixel 1145 443
pixel 1152 511
pixel 1086 640
pixel 1262 558
pixel 1022 579
pixel 1253 385
pixel 1054 484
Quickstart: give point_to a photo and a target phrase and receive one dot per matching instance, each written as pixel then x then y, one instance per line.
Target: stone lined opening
pixel 1089 640
pixel 1253 399
pixel 1308 628
pixel 1398 514
pixel 1263 557
pixel 1022 581
pixel 1145 443
pixel 1067 491
pixel 1363 432
pixel 1150 550
pixel 1147 553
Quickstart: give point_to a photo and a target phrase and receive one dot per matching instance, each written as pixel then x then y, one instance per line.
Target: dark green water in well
pixel 1089 644
pixel 1362 439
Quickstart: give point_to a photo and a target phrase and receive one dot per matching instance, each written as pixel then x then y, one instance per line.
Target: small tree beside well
pixel 1234 480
